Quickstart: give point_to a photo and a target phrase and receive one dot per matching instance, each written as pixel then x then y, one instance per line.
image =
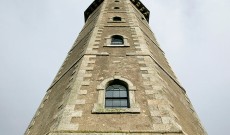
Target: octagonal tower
pixel 115 81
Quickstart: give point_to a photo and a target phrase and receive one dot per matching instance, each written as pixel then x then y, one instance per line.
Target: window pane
pixel 109 93
pixel 122 88
pixel 123 93
pixel 124 103
pixel 116 103
pixel 110 88
pixel 116 94
pixel 116 89
pixel 116 86
pixel 108 102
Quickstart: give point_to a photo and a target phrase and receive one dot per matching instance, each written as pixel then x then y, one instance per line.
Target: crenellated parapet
pixel 141 7
pixel 136 3
pixel 91 8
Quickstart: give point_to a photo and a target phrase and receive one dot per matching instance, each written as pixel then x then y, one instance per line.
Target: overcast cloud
pixel 35 37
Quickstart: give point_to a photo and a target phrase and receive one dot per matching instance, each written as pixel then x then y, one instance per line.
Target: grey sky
pixel 35 37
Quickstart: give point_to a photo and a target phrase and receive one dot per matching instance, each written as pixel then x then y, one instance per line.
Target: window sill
pixel 100 109
pixel 116 22
pixel 116 46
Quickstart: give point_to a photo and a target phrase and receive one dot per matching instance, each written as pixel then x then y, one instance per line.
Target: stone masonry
pixel 75 102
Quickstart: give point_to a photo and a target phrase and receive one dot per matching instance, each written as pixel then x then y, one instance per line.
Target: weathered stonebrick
pixel 76 102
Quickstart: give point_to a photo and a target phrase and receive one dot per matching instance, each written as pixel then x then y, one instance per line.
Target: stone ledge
pixel 100 109
pixel 131 132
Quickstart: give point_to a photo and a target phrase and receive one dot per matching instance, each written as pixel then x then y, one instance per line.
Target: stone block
pixel 76 114
pixel 80 102
pixel 82 92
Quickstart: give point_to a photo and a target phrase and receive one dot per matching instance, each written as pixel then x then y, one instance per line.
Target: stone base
pixel 118 133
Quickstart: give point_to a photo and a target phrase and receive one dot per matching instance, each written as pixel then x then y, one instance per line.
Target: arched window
pixel 116 8
pixel 116 18
pixel 116 96
pixel 117 40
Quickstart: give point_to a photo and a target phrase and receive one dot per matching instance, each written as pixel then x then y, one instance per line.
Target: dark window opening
pixel 117 40
pixel 116 18
pixel 116 8
pixel 117 1
pixel 116 96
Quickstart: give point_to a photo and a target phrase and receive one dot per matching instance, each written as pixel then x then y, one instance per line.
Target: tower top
pixel 137 3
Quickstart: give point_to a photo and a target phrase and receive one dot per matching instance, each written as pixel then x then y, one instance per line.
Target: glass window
pixel 116 8
pixel 117 40
pixel 116 96
pixel 116 18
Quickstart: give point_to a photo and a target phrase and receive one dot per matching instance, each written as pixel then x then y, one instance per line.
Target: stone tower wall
pixel 74 104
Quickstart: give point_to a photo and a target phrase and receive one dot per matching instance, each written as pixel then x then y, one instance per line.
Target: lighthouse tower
pixel 115 81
